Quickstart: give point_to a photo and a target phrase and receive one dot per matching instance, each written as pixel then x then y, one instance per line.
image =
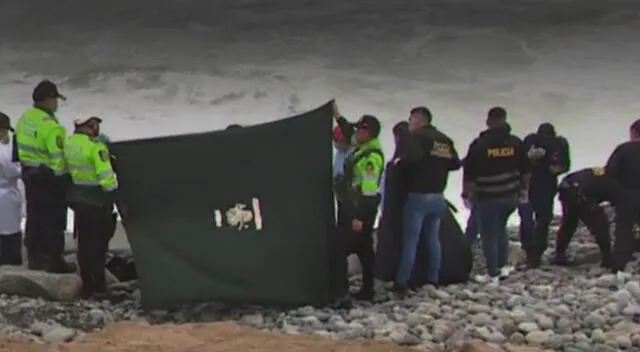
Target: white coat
pixel 11 198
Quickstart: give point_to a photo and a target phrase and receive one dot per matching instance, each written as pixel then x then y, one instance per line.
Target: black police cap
pixel 46 89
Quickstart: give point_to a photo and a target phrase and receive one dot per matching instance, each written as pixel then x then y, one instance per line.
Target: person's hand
pixel 357 225
pixel 536 153
pixel 336 112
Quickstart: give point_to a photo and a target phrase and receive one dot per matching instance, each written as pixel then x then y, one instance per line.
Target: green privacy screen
pixel 238 216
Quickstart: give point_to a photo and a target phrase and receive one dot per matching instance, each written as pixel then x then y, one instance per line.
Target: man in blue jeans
pixel 427 158
pixel 496 174
pixel 527 227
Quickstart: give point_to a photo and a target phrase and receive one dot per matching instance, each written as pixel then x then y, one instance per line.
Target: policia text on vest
pixel 501 152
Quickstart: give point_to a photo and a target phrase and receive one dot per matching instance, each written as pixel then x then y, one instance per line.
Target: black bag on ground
pixel 122 265
pixel 457 257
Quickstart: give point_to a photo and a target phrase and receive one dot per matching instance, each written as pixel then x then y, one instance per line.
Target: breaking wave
pixel 168 67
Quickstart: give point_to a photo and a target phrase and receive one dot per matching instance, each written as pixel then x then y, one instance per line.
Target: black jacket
pixel 556 154
pixel 624 165
pixel 427 156
pixel 494 165
pixel 591 185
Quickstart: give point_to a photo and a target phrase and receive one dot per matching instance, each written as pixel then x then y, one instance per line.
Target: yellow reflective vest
pixel 40 141
pixel 89 163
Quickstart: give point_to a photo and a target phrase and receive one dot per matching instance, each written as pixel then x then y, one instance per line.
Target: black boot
pixel 534 261
pixel 35 261
pixel 607 261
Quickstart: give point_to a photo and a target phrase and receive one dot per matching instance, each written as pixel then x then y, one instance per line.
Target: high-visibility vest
pixel 89 163
pixel 40 141
pixel 363 168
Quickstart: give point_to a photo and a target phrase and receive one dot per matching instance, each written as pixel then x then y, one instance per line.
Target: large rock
pixel 20 281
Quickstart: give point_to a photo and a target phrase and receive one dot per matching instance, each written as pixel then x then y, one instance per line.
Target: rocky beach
pixel 580 308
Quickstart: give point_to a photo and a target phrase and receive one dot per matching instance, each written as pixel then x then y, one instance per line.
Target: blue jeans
pixel 421 217
pixel 525 211
pixel 493 214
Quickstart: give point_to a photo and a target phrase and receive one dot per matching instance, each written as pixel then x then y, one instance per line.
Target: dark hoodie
pixel 556 154
pixel 488 175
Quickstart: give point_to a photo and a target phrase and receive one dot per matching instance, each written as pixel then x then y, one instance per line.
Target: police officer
pixel 39 142
pixel 581 193
pixel 549 156
pixel 103 138
pixel 359 192
pixel 427 158
pixel 91 196
pixel 624 167
pixel 472 233
pixel 496 173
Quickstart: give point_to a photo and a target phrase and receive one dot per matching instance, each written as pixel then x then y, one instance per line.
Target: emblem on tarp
pixel 240 216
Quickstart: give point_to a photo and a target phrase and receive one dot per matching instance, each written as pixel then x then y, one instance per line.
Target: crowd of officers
pixel 59 172
pixel 502 173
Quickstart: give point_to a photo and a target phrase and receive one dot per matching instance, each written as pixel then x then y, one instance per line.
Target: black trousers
pixel 593 217
pixel 94 230
pixel 627 215
pixel 46 218
pixel 11 249
pixel 541 197
pixel 361 244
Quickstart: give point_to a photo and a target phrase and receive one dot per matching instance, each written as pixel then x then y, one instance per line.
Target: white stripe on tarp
pixel 257 213
pixel 218 217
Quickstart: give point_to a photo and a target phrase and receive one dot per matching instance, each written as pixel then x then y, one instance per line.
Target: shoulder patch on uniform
pixel 598 171
pixel 59 142
pixel 104 156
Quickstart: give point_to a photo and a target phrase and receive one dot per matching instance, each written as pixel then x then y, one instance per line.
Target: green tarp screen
pixel 238 216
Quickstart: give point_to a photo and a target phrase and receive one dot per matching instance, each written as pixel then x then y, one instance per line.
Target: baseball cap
pixel 371 123
pixel 80 122
pixel 46 89
pixel 5 122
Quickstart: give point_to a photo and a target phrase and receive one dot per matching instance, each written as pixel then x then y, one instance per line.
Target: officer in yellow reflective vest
pixel 91 196
pixel 359 191
pixel 39 143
